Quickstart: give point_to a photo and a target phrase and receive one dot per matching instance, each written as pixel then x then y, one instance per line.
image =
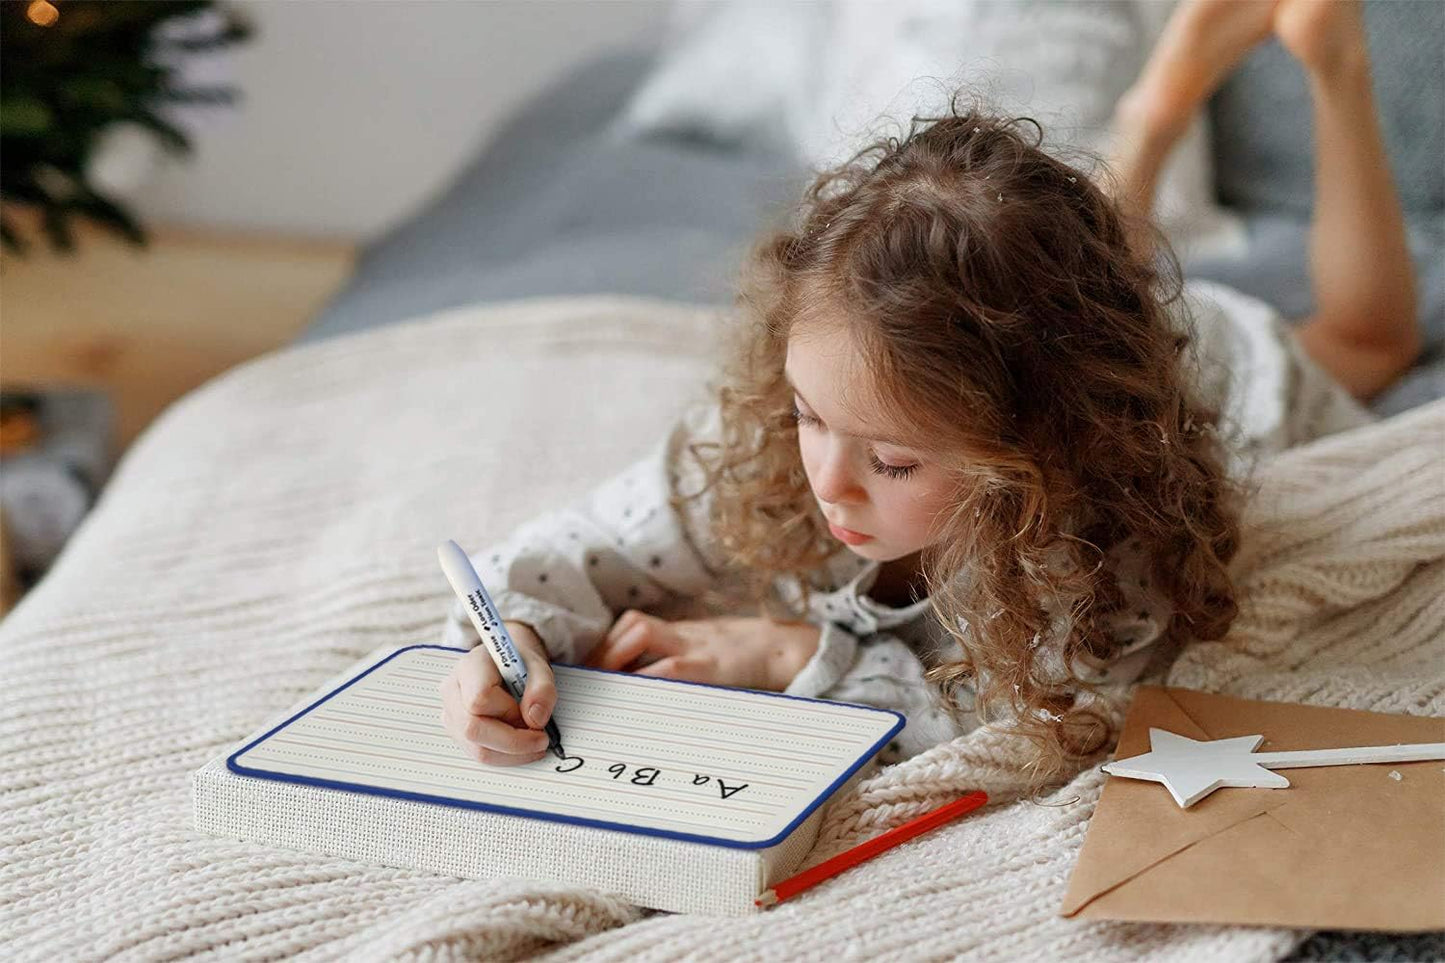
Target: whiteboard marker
pixel 495 637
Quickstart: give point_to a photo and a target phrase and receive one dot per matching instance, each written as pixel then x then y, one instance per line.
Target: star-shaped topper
pixel 1192 768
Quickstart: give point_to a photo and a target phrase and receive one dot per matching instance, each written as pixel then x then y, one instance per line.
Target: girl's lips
pixel 848 535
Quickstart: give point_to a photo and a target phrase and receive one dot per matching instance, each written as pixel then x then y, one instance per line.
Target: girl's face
pixel 880 498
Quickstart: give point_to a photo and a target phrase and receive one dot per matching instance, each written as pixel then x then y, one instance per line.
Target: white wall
pixel 355 111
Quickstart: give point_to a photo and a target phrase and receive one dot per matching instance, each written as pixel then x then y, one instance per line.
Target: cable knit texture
pixel 281 522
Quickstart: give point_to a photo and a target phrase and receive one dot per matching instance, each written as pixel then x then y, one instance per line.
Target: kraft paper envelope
pixel 1345 847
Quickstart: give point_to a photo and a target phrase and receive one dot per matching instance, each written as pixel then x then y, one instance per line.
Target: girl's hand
pixel 481 715
pixel 742 652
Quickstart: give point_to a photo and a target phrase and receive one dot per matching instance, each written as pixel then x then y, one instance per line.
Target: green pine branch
pixel 61 86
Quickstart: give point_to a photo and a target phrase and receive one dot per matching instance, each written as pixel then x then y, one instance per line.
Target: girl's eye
pixel 803 419
pixel 892 471
pixel 879 468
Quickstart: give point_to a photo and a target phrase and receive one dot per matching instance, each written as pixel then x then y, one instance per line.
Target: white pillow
pixel 731 72
pixel 823 79
pixel 1064 63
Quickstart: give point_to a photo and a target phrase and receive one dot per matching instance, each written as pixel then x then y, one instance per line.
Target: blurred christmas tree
pixel 72 71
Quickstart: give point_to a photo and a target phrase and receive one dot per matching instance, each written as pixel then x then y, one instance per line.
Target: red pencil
pixel 852 857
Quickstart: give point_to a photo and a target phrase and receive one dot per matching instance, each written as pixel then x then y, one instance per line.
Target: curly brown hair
pixel 993 294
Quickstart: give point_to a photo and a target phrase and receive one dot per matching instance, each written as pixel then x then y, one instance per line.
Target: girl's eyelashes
pixel 879 468
pixel 892 471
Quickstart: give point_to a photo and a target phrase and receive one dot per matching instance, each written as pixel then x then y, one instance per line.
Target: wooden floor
pixel 149 324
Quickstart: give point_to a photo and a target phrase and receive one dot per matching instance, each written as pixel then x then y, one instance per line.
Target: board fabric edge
pixel 658 873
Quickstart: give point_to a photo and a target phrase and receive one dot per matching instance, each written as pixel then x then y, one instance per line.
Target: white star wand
pixel 1192 769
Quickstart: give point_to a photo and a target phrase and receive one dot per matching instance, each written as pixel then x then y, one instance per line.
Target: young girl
pixel 965 461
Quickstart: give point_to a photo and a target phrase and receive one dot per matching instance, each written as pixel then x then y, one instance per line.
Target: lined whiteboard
pixel 656 756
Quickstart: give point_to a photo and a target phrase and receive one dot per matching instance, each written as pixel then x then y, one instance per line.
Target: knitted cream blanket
pixel 279 523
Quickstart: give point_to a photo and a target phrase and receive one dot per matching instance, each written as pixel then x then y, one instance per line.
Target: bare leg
pixel 1136 158
pixel 1363 330
pixel 1199 46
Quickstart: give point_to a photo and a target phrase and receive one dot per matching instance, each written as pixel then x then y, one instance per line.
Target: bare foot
pixel 1201 43
pixel 1324 35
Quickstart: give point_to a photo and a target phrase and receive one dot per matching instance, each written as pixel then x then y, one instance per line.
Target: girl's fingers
pixel 675 667
pixel 617 654
pixel 476 670
pixel 647 636
pixel 492 757
pixel 491 741
pixel 479 690
pixel 498 736
pixel 662 668
pixel 482 692
pixel 625 622
pixel 540 696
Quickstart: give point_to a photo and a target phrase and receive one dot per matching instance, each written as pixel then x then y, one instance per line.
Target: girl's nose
pixel 835 480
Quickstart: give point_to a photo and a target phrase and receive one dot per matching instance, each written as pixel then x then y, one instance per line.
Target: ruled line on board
pixel 647 727
pixel 443 749
pixel 646 710
pixel 614 754
pixel 542 783
pixel 544 777
pixel 719 743
pixel 573 809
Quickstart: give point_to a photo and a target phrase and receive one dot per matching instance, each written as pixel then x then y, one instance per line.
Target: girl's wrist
pixel 796 643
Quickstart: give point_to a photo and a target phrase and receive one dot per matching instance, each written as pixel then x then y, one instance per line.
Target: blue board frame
pixel 236 767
